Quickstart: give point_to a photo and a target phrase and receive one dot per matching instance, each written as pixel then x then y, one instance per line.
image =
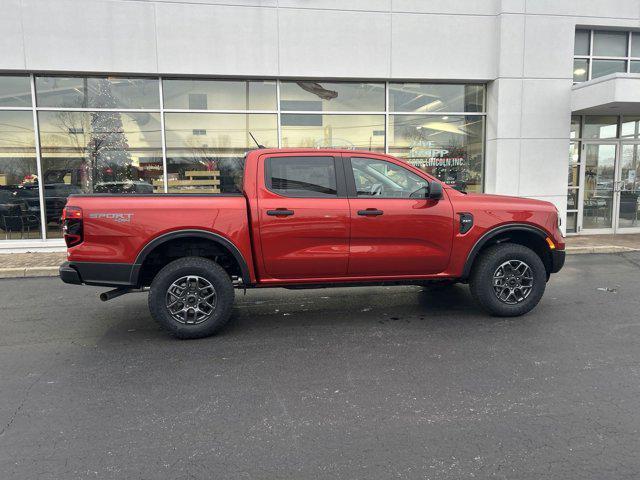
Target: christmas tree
pixel 107 149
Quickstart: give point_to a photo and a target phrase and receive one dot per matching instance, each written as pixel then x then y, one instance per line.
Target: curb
pixel 28 272
pixel 599 249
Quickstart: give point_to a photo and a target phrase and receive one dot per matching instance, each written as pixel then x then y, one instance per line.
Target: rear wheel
pixel 192 297
pixel 508 280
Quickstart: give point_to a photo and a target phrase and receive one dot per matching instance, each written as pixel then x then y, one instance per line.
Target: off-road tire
pixel 192 266
pixel 482 279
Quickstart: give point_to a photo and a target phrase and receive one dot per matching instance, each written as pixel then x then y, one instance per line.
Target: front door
pixel 304 216
pixel 628 188
pixel 395 230
pixel 598 199
pixel 611 193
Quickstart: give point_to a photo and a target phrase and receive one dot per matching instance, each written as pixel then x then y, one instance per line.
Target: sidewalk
pixel 13 265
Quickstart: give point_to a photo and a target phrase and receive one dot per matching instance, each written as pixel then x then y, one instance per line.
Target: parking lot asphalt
pixel 350 383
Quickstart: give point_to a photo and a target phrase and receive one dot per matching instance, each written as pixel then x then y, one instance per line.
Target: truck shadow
pixel 362 305
pixel 276 310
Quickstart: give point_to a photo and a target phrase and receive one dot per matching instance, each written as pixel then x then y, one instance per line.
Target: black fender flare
pixel 156 242
pixel 482 241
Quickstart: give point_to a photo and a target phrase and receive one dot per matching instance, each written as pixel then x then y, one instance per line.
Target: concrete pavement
pixel 348 383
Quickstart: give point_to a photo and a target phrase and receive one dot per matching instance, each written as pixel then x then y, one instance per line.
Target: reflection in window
pixel 19 202
pixel 94 92
pixel 630 126
pixel 205 151
pixel 435 97
pixel 580 69
pixel 448 147
pixel 332 96
pixel 98 152
pixel 302 176
pixel 362 132
pixel 15 91
pixel 599 126
pixel 219 94
pixel 377 178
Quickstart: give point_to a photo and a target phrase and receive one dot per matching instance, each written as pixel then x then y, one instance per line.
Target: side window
pixel 377 178
pixel 302 176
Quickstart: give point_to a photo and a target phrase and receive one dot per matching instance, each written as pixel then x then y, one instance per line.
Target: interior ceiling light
pixel 579 71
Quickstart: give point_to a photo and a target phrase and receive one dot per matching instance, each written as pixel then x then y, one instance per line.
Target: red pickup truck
pixel 307 219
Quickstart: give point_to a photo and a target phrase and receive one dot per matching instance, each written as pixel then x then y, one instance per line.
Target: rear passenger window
pixel 302 176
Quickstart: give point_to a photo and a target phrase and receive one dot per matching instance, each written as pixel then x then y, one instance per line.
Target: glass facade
pixel 603 188
pixel 61 135
pixel 597 53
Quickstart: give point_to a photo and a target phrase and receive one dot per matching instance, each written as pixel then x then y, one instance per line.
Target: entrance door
pixel 599 181
pixel 611 192
pixel 628 188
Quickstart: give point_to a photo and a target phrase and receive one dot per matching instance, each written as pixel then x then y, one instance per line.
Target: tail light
pixel 72 226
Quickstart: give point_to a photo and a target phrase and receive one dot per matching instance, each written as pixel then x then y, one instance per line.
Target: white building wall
pixel 523 49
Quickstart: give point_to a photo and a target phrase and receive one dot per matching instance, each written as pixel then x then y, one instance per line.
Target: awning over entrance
pixel 615 94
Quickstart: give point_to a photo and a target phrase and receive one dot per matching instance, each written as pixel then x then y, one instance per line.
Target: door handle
pixel 370 212
pixel 280 212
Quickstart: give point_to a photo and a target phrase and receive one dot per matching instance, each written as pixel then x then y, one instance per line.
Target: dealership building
pixel 534 98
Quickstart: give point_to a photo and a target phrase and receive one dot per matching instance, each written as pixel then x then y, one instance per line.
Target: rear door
pixel 304 216
pixel 395 230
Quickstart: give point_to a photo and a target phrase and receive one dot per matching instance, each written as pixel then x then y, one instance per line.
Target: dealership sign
pixel 427 154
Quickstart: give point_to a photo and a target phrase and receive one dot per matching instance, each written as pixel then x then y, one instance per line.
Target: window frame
pixel 352 191
pixel 590 56
pixel 341 190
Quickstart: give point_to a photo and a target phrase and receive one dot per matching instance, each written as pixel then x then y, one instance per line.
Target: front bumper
pixel 557 260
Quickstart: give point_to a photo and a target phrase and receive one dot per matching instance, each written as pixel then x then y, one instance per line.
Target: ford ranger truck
pixel 307 219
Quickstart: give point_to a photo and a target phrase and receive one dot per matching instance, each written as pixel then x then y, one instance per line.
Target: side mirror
pixel 435 191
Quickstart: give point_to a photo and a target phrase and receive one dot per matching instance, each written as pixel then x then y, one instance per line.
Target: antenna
pixel 254 139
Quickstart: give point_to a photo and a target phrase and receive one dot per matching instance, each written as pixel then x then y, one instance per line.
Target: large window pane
pixel 205 151
pixel 581 45
pixel 599 126
pixel 219 94
pixel 435 97
pixel 610 44
pixel 450 148
pixel 98 152
pixel 635 44
pixel 364 132
pixel 15 91
pixel 19 202
pixel 635 66
pixel 630 126
pixel 332 96
pixel 93 92
pixel 601 68
pixel 580 70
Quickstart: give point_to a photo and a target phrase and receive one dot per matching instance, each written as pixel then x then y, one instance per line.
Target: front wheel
pixel 192 297
pixel 508 280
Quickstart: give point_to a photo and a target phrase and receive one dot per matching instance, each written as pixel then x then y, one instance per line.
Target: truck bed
pixel 116 229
